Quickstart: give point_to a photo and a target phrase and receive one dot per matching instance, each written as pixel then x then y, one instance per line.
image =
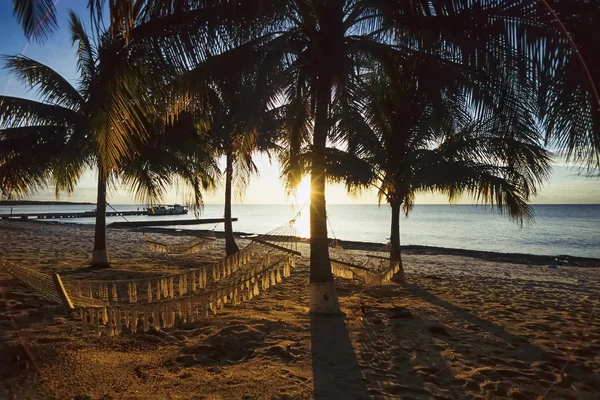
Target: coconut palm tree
pixel 176 155
pixel 239 122
pixel 325 47
pixel 98 125
pixel 568 29
pixel 317 48
pixel 415 139
pixel 236 141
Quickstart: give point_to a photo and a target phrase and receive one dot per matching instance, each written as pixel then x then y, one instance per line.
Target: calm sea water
pixel 558 229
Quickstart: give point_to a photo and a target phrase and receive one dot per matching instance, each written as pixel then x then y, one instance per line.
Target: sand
pixel 461 328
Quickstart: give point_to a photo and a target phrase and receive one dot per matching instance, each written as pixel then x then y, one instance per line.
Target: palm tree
pixel 316 49
pixel 240 124
pixel 568 29
pixel 415 138
pixel 176 155
pixel 319 51
pixel 236 140
pixel 99 125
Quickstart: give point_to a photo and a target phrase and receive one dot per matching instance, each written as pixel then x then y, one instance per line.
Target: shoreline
pixel 564 260
pixel 516 258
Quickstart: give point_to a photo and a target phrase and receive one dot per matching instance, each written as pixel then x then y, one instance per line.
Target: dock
pixel 138 224
pixel 67 214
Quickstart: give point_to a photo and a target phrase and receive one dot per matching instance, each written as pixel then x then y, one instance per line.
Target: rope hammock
pixel 206 240
pixel 157 302
pixel 373 269
pixel 46 285
pixel 191 246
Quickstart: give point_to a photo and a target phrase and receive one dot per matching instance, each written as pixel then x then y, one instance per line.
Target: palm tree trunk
pixel 322 294
pixel 395 253
pixel 99 254
pixel 230 246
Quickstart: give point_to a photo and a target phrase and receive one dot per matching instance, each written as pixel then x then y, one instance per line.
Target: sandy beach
pixel 463 327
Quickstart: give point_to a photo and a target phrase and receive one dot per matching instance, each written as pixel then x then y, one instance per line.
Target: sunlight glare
pixel 302 224
pixel 302 198
pixel 302 194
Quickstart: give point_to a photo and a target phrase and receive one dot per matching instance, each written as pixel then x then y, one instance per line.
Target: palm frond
pixel 87 56
pixel 37 17
pixel 48 84
pixel 175 155
pixel 27 156
pixel 15 112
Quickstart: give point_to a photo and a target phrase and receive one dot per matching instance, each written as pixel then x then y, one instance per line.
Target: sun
pixel 302 194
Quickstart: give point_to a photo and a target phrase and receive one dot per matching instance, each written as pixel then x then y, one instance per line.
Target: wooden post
pixel 62 292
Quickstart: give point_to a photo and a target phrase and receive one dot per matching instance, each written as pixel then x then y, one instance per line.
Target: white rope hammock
pixel 373 269
pixel 191 246
pixel 195 245
pixel 109 306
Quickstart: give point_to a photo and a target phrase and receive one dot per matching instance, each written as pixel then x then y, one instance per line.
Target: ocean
pixel 572 230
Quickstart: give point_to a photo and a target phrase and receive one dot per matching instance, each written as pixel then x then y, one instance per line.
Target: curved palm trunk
pixel 99 254
pixel 395 253
pixel 322 294
pixel 230 246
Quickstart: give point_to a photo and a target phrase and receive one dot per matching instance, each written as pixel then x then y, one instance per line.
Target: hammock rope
pixel 121 215
pixel 43 283
pixel 373 269
pixel 109 306
pixel 191 246
pixel 195 294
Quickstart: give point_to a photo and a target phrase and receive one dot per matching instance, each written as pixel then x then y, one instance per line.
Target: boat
pixel 162 210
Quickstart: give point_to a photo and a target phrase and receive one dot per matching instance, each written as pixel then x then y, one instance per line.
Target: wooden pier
pixel 138 224
pixel 70 214
pixel 129 224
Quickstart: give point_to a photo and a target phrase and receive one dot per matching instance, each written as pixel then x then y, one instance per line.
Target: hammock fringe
pixel 111 307
pixel 188 247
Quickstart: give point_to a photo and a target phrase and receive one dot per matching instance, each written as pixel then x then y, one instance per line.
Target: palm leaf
pixel 37 17
pixel 86 54
pixel 15 112
pixel 49 85
pixel 27 156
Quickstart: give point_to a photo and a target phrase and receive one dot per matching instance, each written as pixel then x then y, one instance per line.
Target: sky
pixel 565 186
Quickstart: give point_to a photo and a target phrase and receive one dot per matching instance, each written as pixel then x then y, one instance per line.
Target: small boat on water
pixel 162 210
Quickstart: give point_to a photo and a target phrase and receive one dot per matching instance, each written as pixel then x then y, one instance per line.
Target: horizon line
pixel 66 202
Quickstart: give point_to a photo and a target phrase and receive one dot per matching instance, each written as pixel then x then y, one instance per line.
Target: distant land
pixel 39 203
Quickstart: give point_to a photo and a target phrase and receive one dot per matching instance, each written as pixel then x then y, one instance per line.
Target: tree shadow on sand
pixel 509 357
pixel 336 374
pixel 519 343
